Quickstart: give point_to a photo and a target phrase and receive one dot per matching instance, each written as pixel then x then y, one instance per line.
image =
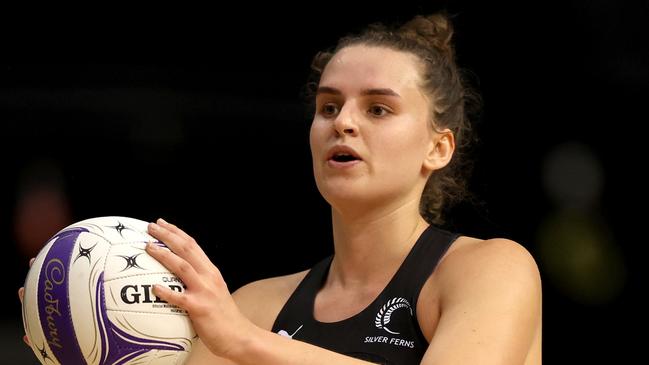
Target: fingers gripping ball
pixel 88 299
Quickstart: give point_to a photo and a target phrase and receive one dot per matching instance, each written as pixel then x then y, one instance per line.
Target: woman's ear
pixel 440 150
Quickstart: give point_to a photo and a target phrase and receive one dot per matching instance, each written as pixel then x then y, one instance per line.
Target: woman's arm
pixel 269 348
pixel 490 299
pixel 260 301
pixel 201 355
pixel 223 328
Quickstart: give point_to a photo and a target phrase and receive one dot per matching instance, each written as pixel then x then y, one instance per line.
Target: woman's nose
pixel 345 123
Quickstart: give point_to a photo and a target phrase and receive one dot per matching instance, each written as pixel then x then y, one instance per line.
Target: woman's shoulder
pixel 262 300
pixel 492 285
pixel 472 261
pixel 475 251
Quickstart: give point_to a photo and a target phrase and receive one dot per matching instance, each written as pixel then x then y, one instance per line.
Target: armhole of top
pixel 420 284
pixel 299 288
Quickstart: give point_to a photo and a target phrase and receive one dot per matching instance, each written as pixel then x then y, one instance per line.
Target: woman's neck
pixel 370 247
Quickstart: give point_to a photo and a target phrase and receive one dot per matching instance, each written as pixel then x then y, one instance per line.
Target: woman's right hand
pixel 21 295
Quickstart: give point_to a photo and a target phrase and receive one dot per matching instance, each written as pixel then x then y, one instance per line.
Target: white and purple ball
pixel 89 299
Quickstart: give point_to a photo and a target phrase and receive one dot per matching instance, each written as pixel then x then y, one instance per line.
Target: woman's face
pixel 369 99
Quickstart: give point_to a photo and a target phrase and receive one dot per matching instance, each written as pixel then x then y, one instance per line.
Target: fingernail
pixel 154 226
pixel 162 221
pixel 151 246
pixel 156 289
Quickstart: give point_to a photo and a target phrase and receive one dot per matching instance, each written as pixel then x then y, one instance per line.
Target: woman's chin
pixel 350 199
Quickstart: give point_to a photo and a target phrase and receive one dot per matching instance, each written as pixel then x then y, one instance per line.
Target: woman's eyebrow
pixel 328 90
pixel 384 92
pixel 364 92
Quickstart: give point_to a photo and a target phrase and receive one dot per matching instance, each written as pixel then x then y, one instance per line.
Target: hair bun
pixel 434 31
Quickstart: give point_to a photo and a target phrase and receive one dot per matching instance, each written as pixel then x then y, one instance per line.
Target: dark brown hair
pixel 429 39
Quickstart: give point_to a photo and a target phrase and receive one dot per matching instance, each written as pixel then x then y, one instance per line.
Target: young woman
pixel 388 125
pixel 389 118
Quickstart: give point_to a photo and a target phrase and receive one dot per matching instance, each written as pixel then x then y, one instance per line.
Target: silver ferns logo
pixel 385 313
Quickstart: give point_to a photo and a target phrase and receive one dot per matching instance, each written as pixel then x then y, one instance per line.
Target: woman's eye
pixel 377 110
pixel 330 109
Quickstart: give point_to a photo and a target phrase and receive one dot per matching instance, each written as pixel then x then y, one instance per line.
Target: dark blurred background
pixel 195 115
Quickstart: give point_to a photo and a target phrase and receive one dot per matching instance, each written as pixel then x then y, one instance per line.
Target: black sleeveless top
pixel 387 330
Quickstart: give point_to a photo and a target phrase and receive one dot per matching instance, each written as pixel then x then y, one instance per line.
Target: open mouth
pixel 343 157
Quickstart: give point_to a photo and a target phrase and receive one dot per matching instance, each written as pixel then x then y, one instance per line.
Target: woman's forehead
pixel 363 67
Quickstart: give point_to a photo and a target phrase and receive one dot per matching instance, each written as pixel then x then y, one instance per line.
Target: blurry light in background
pixel 581 258
pixel 578 251
pixel 572 176
pixel 42 207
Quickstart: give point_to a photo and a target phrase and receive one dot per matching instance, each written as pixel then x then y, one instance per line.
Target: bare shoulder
pixel 473 269
pixel 262 300
pixel 488 262
pixel 488 304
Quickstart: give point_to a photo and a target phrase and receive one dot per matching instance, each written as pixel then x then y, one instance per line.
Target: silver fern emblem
pixel 384 314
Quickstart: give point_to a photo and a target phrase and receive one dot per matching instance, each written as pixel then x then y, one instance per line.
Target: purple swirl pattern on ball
pixel 118 346
pixel 53 301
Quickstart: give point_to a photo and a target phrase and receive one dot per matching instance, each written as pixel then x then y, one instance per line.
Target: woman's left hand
pixel 215 316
